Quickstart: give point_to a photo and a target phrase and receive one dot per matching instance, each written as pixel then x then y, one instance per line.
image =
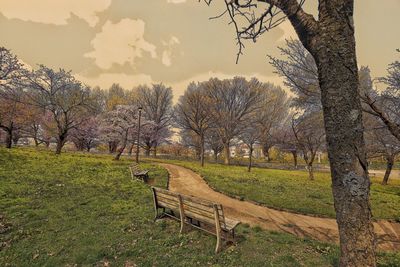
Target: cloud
pixel 105 80
pixel 166 58
pixel 120 43
pixel 176 1
pixel 53 12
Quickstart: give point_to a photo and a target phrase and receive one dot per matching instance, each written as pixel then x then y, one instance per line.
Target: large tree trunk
pixel 335 55
pixel 215 155
pixel 130 149
pixel 8 138
pixel 250 158
pixel 227 153
pixel 389 166
pixel 15 139
pixel 36 140
pixel 120 151
pixel 112 147
pixel 155 152
pixel 60 144
pixel 147 151
pixel 294 153
pixel 202 151
pixel 310 169
pixel 265 149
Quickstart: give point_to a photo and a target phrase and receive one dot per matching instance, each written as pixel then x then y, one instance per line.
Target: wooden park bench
pixel 136 172
pixel 197 212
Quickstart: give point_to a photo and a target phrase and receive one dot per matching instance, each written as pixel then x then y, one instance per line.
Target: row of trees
pixel 216 113
pixel 47 105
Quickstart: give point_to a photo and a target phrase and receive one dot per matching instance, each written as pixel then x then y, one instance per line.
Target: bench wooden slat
pixel 195 208
pixel 137 172
pixel 166 204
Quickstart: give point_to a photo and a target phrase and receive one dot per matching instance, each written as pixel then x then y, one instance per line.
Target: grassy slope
pixel 292 190
pixel 85 210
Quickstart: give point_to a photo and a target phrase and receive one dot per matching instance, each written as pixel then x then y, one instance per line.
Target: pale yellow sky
pixel 172 41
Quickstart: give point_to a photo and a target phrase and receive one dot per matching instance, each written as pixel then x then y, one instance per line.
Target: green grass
pixel 84 210
pixel 292 190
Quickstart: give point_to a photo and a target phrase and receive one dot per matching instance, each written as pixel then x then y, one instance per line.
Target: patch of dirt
pixel 187 182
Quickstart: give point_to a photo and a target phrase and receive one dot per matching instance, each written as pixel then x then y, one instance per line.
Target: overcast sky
pixel 132 42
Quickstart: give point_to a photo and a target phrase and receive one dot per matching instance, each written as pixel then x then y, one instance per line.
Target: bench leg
pixel 219 243
pixel 156 214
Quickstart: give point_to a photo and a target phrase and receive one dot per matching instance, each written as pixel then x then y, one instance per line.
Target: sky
pixel 134 42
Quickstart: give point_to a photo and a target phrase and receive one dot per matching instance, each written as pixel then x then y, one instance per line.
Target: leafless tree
pixel 62 95
pixel 157 105
pixel 119 125
pixel 300 74
pixel 310 136
pixel 386 106
pixel 274 108
pixel 214 143
pixel 231 103
pixel 330 40
pixel 11 108
pixel 86 135
pixel 381 143
pixel 250 135
pixel 192 114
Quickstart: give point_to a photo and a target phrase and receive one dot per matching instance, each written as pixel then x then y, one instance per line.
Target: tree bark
pixel 130 149
pixel 8 138
pixel 147 151
pixel 294 153
pixel 15 140
pixel 250 158
pixel 202 150
pixel 265 150
pixel 118 155
pixel 310 169
pixel 227 154
pixel 335 55
pixel 36 140
pixel 60 143
pixel 389 166
pixel 216 155
pixel 155 152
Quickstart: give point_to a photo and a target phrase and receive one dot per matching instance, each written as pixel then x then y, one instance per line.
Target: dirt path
pixel 185 181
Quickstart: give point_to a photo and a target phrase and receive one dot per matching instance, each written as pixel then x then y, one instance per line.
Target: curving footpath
pixel 187 182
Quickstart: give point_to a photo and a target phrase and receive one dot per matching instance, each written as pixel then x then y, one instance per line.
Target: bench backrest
pixel 193 207
pixel 135 168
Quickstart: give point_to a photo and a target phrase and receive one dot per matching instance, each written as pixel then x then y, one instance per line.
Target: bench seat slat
pixel 166 204
pixel 195 208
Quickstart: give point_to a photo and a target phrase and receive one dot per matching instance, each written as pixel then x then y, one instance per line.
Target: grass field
pixel 84 210
pixel 292 190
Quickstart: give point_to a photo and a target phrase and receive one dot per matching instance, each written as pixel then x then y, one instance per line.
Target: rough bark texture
pixel 227 158
pixel 8 139
pixel 294 153
pixel 216 155
pixel 389 166
pixel 250 158
pixel 202 150
pixel 265 150
pixel 155 152
pixel 335 55
pixel 310 172
pixel 60 143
